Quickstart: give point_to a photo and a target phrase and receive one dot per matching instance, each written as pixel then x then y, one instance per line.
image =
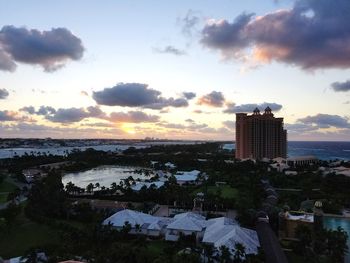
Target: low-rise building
pixel 187 177
pixel 226 232
pixel 186 224
pixel 218 231
pixel 33 174
pixel 139 185
pixel 302 160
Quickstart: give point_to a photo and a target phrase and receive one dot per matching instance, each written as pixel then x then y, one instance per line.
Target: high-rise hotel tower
pixel 260 135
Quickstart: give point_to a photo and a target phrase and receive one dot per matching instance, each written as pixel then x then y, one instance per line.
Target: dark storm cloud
pixel 71 115
pixel 127 94
pixel 189 95
pixel 341 86
pixel 6 62
pixel 326 121
pixel 3 94
pixel 132 117
pixel 43 110
pixel 28 109
pixel 189 121
pixel 6 115
pixel 232 108
pixel 136 95
pixel 95 112
pixel 170 50
pixel 213 99
pixel 300 128
pixel 50 49
pixel 68 115
pixel 313 34
pixel 226 36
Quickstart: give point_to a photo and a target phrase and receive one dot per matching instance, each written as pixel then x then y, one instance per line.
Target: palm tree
pixel 90 188
pixel 225 254
pixel 70 187
pixel 114 187
pixel 97 185
pixel 138 228
pixel 239 254
pixel 208 250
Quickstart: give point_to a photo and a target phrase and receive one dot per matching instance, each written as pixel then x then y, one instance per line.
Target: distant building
pixel 302 161
pixel 260 136
pixel 190 177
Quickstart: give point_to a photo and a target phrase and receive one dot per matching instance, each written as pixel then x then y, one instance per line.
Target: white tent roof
pixel 225 232
pixel 133 217
pixel 158 225
pixel 139 185
pixel 187 176
pixel 188 222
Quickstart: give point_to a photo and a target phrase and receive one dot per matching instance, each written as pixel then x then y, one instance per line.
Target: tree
pixel 90 188
pixel 239 253
pixel 137 228
pixel 70 187
pixel 336 244
pixel 114 187
pixel 304 236
pixel 10 213
pixel 97 185
pixel 47 198
pixel 126 228
pixel 208 250
pixel 225 254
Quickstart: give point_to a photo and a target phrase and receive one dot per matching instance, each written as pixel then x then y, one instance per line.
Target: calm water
pixel 11 152
pixel 104 175
pixel 333 223
pixel 322 150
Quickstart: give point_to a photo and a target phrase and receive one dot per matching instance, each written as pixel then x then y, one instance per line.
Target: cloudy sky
pixel 173 69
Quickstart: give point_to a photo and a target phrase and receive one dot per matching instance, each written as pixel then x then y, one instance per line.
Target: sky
pixel 173 69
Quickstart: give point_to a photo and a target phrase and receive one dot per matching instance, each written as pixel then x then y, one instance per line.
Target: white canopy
pixel 188 222
pixel 132 217
pixel 226 232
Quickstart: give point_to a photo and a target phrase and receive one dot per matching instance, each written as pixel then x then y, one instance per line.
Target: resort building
pixel 219 232
pixel 298 161
pixel 186 224
pixel 184 177
pixel 226 232
pixel 140 223
pixel 260 136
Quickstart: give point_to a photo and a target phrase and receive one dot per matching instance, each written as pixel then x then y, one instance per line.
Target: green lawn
pixel 293 258
pixel 23 235
pixel 226 191
pixel 3 198
pixel 7 187
pixel 156 247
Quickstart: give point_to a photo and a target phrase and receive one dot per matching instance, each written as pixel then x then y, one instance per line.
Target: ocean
pixel 321 149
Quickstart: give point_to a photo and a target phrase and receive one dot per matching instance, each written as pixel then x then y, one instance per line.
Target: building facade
pixel 260 136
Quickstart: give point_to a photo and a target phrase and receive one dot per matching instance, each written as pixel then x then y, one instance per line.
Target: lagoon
pixel 104 175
